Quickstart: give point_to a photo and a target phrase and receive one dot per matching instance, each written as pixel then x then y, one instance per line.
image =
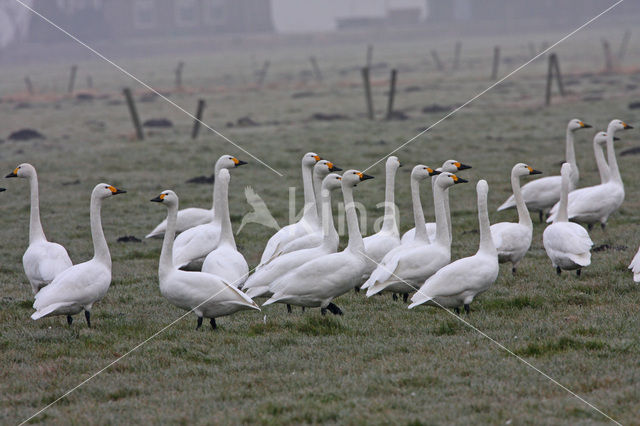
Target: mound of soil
pixel 25 135
pixel 298 95
pixel 202 179
pixel 435 108
pixel 129 239
pixel 157 122
pixel 148 97
pixel 631 151
pixel 607 247
pixel 320 116
pixel 85 97
pixel 634 105
pixel 246 122
pixel 398 115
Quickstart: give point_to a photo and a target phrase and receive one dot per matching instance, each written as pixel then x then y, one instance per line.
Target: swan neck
pixel 611 154
pixel 36 233
pixel 447 214
pixel 523 213
pixel 570 157
pixel 327 215
pixel 317 192
pixel 601 162
pixel 216 170
pixel 100 248
pixel 389 222
pixel 442 236
pixel 486 242
pixel 221 212
pixel 166 254
pixel 563 215
pixel 310 210
pixel 418 213
pixel 355 238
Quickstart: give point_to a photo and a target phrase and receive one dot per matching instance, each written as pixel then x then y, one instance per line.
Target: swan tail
pixel 509 204
pixel 419 299
pixel 47 310
pixel 377 281
pixel 272 300
pixel 583 259
pixel 256 291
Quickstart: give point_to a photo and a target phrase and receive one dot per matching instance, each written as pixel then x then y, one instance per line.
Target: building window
pixel 186 13
pixel 214 12
pixel 144 14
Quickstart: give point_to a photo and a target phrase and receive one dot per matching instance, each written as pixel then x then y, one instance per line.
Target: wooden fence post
pixel 608 59
pixel 72 78
pixel 556 65
pixel 392 93
pixel 27 82
pixel 456 55
pixel 263 72
pixel 436 59
pixel 316 68
pixel 623 46
pixel 198 120
pixel 496 63
pixel 369 55
pixel 367 92
pixel 549 80
pixel 178 73
pixel 134 113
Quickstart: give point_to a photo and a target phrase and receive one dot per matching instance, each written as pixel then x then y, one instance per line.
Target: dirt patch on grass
pixel 25 135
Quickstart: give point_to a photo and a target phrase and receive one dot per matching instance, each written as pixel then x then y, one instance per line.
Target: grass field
pixel 379 363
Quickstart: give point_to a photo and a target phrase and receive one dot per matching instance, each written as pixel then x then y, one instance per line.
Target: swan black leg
pixel 590 226
pixel 199 323
pixel 578 272
pixel 303 309
pixel 405 297
pixel 214 326
pixel 334 309
pixel 288 308
pixel 394 297
pixel 87 315
pixel 356 289
pixel 323 311
pixel 456 310
pixel 69 320
pixel 467 309
pixel 541 216
pixel 603 226
pixel 558 270
pixel 513 270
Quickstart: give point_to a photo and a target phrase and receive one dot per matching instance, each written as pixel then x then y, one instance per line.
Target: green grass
pixel 380 362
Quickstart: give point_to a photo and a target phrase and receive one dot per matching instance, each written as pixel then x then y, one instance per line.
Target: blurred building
pixel 101 19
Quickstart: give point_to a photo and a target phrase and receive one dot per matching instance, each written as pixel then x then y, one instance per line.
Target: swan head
pixel 482 188
pixel 601 138
pixel 565 170
pixel 522 169
pixel 577 124
pixel 421 172
pixel 393 163
pixel 167 197
pixel 453 166
pixel 617 125
pixel 351 178
pixel 228 162
pixel 331 181
pixel 24 170
pixel 323 167
pixel 310 159
pixel 447 179
pixel 104 190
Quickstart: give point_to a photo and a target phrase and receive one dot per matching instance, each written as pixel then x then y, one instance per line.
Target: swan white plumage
pixel 225 261
pixel 376 246
pixel 194 216
pixel 567 244
pixel 461 281
pixel 594 204
pixel 541 194
pixel 309 221
pixel 43 260
pixel 318 282
pixel 193 245
pixel 312 239
pixel 635 267
pixel 407 266
pixel 512 240
pixel 207 295
pixel 451 166
pixel 84 284
pixel 259 282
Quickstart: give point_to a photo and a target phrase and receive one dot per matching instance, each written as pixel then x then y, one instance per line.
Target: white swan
pixel 635 267
pixel 407 267
pixel 594 204
pixel 460 282
pixel 207 295
pixel 512 240
pixel 43 260
pixel 225 261
pixel 194 216
pixel 543 193
pixel 84 284
pixel 451 166
pixel 312 239
pixel 193 245
pixel 259 282
pixel 318 282
pixel 309 221
pixel 376 246
pixel 567 244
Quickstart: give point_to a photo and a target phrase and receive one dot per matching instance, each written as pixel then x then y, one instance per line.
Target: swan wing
pixel 187 218
pixel 538 194
pixel 570 240
pixel 43 261
pixel 195 243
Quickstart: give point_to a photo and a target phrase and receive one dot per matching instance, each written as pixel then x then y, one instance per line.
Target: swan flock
pixel 201 269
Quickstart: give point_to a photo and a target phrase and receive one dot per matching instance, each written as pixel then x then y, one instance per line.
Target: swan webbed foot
pixel 456 310
pixel 334 309
pixel 578 272
pixel 323 311
pixel 558 270
pixel 541 215
pixel 467 309
pixel 214 326
pixel 356 290
pixel 303 309
pixel 69 320
pixel 394 297
pixel 199 323
pixel 87 315
pixel 288 308
pixel 513 270
pixel 405 297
